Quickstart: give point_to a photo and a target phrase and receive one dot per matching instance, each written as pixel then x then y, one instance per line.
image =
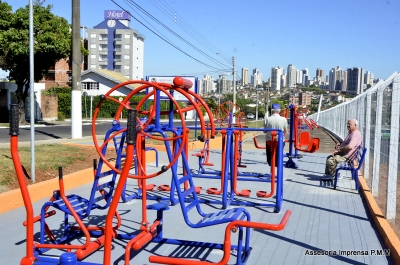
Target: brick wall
pixel 49 107
pixel 58 75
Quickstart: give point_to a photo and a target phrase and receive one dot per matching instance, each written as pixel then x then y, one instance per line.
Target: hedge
pixel 108 108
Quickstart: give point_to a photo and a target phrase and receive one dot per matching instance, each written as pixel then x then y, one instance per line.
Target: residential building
pixel 224 85
pixel 355 80
pixel 256 78
pixel 368 78
pixel 276 76
pixel 283 80
pixel 319 75
pixel 114 46
pixel 305 99
pixel 299 75
pixel 58 75
pixel 335 78
pixel 304 76
pixel 291 76
pixel 245 76
pixel 206 85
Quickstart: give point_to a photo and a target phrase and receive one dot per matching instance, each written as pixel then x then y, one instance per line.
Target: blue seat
pixel 352 165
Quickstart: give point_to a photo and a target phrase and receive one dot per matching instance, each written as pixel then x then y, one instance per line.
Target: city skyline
pixel 362 42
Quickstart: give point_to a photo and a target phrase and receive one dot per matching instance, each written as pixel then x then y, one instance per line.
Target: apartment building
pixel 291 76
pixel 276 76
pixel 114 46
pixel 355 80
pixel 245 76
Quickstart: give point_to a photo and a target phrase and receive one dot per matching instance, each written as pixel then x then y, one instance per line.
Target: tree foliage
pixel 52 42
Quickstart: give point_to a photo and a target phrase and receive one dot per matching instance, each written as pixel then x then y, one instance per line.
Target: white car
pixel 250 116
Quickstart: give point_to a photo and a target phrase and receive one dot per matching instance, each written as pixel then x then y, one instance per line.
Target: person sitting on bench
pixel 345 150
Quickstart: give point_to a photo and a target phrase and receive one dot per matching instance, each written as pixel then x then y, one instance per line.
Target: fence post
pixel 393 151
pixel 377 142
pixel 367 141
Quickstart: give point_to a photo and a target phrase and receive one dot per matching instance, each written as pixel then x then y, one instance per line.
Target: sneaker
pixel 327 178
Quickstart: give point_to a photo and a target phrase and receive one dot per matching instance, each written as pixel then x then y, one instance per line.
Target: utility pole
pixel 32 90
pixel 76 97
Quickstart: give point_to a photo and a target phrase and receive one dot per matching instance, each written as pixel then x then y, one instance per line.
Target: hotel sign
pixel 116 14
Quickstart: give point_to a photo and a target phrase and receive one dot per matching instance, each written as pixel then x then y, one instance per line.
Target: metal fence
pixel 377 111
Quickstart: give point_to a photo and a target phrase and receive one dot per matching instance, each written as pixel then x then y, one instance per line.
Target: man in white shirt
pixel 275 121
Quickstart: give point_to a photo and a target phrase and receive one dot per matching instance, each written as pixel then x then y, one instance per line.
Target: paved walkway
pixel 327 226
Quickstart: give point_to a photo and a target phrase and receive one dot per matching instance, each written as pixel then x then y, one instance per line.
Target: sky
pixel 259 33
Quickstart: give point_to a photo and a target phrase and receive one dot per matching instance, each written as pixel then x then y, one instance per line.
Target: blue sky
pixel 259 33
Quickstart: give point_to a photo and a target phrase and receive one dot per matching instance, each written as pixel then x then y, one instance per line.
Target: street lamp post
pixel 234 82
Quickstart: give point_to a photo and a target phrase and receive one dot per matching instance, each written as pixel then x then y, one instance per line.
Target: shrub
pixel 60 116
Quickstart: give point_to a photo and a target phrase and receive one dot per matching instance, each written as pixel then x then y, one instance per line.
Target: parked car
pixel 250 116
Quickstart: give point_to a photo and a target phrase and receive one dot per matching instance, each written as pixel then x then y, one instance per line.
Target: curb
pixel 389 237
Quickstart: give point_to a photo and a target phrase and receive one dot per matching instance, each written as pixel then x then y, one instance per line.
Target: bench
pixel 352 165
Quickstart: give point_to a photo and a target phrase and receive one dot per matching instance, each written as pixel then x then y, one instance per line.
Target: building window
pixel 103 37
pixel 127 46
pixel 103 57
pixel 117 68
pixel 126 66
pixel 117 58
pixel 126 56
pixel 127 36
pixel 90 85
pixel 103 47
pixel 103 66
pixel 93 66
pixel 93 35
pixel 93 56
pixel 92 45
pixel 118 37
pixel 93 86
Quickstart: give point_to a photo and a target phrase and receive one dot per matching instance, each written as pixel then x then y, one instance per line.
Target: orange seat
pixel 164 187
pixel 245 193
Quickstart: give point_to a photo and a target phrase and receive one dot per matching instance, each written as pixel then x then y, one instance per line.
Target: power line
pixel 181 22
pixel 164 38
pixel 173 32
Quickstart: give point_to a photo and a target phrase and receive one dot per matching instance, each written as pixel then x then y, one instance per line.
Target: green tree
pixel 52 42
pixel 212 104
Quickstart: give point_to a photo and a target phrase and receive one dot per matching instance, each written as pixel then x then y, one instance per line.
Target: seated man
pixel 275 121
pixel 345 150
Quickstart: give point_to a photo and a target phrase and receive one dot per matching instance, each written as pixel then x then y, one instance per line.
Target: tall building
pixel 335 78
pixel 206 85
pixel 304 76
pixel 256 78
pixel 299 75
pixel 355 80
pixel 245 76
pixel 319 75
pixel 283 80
pixel 276 76
pixel 291 76
pixel 114 46
pixel 368 78
pixel 224 85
